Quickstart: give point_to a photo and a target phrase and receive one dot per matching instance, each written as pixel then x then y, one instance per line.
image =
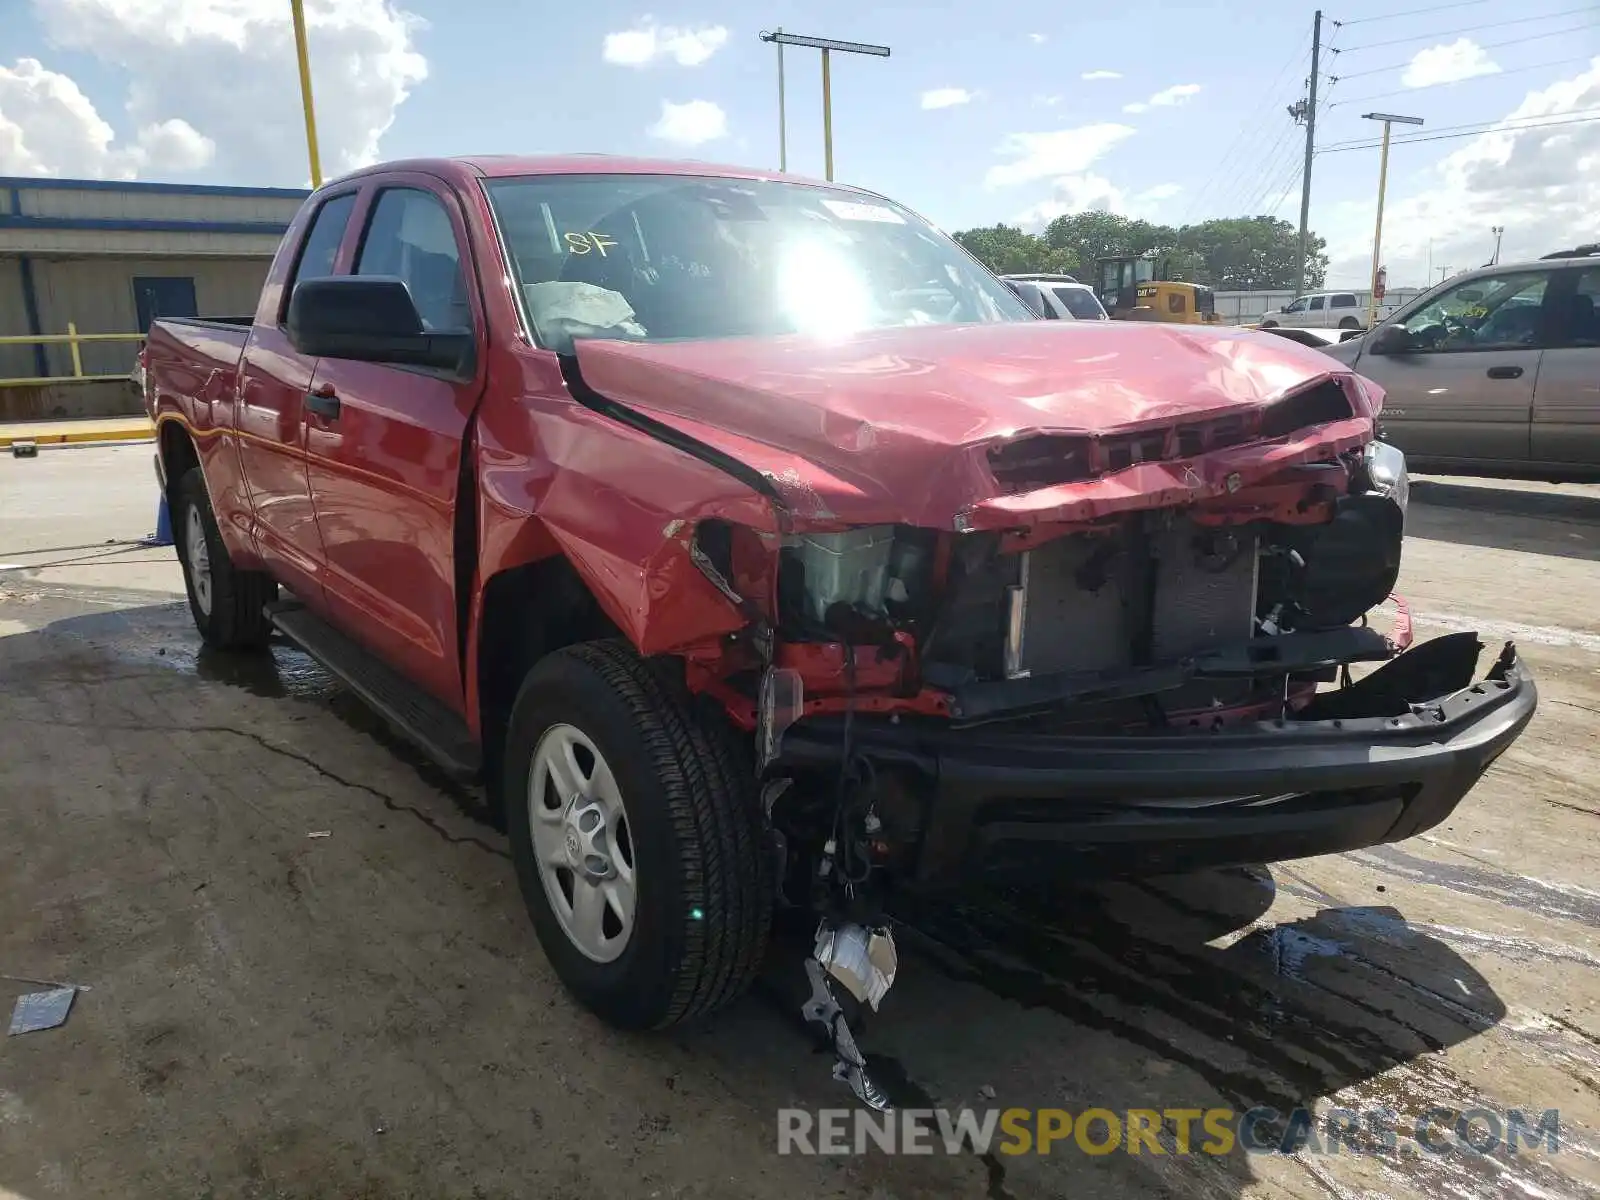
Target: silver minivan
pixel 1495 371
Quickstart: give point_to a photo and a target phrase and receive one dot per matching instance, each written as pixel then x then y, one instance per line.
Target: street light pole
pixel 1498 231
pixel 297 7
pixel 1388 119
pixel 783 127
pixel 825 45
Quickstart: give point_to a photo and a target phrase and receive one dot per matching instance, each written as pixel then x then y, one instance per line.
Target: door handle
pixel 324 401
pixel 1505 372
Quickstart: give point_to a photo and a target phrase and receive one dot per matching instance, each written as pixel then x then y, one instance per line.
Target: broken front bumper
pixel 984 801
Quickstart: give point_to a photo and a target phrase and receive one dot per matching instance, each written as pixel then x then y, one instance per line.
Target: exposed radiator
pixel 1079 610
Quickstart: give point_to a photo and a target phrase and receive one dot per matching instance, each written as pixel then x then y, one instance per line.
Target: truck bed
pixel 193 361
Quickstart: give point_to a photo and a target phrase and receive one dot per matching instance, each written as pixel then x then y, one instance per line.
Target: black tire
pixel 235 618
pixel 1349 323
pixel 1269 324
pixel 703 893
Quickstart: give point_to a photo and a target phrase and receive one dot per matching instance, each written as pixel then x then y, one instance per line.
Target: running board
pixel 440 733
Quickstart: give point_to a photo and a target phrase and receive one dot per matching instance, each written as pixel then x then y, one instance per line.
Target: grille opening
pixel 1314 406
pixel 1043 461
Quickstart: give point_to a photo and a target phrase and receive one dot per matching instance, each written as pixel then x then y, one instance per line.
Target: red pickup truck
pixel 754 546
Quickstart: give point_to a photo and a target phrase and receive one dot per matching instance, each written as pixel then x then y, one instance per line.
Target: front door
pixel 1464 390
pixel 1566 404
pixel 162 296
pixel 385 464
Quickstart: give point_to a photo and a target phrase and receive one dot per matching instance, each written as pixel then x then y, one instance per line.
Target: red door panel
pixel 384 474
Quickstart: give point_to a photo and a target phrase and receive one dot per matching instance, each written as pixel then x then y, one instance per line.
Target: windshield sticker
pixel 585 243
pixel 849 210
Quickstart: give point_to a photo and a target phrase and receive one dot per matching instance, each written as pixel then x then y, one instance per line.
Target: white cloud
pixel 690 124
pixel 49 127
pixel 1091 76
pixel 1448 63
pixel 1178 93
pixel 214 87
pixel 1088 191
pixel 1036 38
pixel 946 97
pixel 1047 101
pixel 1542 185
pixel 647 42
pixel 1057 153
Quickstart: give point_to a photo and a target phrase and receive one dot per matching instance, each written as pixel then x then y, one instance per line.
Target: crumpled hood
pixel 894 424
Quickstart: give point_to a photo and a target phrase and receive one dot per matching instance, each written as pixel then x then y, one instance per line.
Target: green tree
pixel 1086 237
pixel 1253 253
pixel 1007 250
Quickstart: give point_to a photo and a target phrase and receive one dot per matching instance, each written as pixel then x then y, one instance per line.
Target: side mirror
pixel 369 318
pixel 1390 339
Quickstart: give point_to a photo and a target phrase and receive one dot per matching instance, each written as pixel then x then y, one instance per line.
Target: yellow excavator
pixel 1139 287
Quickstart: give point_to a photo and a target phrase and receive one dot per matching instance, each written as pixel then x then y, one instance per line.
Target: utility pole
pixel 297 10
pixel 1307 109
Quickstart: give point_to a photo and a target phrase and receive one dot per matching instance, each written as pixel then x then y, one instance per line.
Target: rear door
pixel 385 466
pixel 270 415
pixel 1566 402
pixel 1465 390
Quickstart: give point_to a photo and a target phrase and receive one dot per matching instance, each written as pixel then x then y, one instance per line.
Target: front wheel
pixel 636 834
pixel 1269 324
pixel 228 604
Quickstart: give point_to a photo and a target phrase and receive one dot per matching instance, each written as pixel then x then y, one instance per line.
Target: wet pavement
pixel 367 1013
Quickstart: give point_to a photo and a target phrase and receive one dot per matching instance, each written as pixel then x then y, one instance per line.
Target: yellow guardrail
pixel 70 338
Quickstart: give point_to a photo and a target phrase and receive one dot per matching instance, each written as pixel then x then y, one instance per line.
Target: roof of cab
pixel 500 166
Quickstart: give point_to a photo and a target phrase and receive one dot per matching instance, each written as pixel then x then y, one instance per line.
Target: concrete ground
pixel 367 1014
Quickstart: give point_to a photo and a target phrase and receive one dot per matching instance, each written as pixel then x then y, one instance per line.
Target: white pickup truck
pixel 1324 310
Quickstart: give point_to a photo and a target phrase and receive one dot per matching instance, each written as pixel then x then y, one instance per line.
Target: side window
pixel 323 238
pixel 1316 303
pixel 1501 312
pixel 1297 306
pixel 1581 326
pixel 1176 303
pixel 1346 300
pixel 409 235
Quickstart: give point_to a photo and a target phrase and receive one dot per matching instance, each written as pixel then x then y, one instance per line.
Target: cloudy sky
pixel 1172 110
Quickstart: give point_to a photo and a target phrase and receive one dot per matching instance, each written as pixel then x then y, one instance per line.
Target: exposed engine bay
pixel 1181 617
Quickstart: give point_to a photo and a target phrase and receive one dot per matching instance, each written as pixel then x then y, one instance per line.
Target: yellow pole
pixel 298 7
pixel 1377 233
pixel 827 119
pixel 77 357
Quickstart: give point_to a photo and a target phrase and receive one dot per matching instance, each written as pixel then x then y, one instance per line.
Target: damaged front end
pixel 1134 652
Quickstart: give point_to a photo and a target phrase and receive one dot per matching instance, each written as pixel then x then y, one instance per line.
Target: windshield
pixel 669 257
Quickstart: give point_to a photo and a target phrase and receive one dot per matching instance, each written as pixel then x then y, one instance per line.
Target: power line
pixel 1537 37
pixel 1410 12
pixel 1560 62
pixel 1240 138
pixel 1444 137
pixel 1425 37
pixel 1480 126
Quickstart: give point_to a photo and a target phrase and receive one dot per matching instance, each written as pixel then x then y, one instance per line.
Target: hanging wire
pixel 1537 37
pixel 1241 137
pixel 1441 35
pixel 1560 62
pixel 1410 12
pixel 1444 137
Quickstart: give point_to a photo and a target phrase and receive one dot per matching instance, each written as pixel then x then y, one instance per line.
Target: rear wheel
pixel 635 830
pixel 1349 323
pixel 227 604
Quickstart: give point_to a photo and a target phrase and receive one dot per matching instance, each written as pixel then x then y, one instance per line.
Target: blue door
pixel 163 296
